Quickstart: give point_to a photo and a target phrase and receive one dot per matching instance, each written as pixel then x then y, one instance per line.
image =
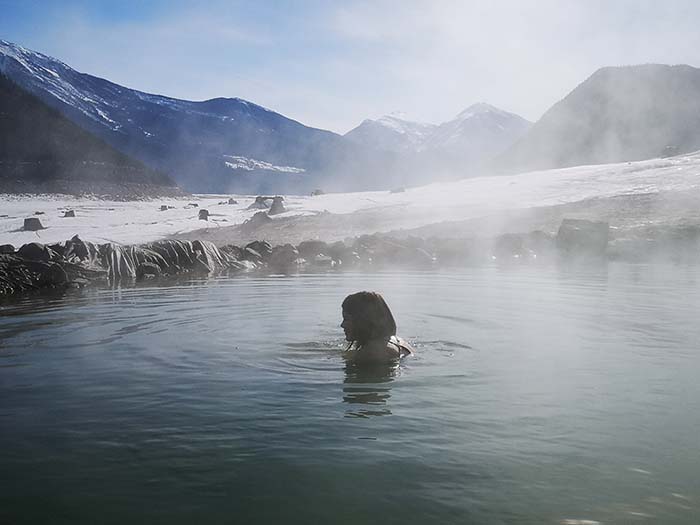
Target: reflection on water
pixel 368 384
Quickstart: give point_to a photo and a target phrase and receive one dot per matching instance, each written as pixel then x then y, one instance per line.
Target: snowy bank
pixel 144 221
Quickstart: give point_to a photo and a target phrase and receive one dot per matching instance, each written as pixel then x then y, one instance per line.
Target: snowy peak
pixel 398 123
pixel 26 57
pixel 391 133
pixel 479 131
pixel 480 108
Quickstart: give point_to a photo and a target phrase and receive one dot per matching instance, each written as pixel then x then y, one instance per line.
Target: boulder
pixel 59 248
pixel 7 248
pixel 509 246
pixel 69 213
pixel 32 224
pixel 583 237
pixel 78 249
pixel 249 254
pixel 284 256
pixel 338 250
pixel 163 207
pixel 233 251
pixel 200 266
pixel 262 248
pixel 232 201
pixel 539 243
pixel 323 261
pixel 35 251
pixel 146 269
pixel 52 274
pixel 203 215
pixel 208 253
pixel 38 213
pixel 310 249
pixel 454 252
pixel 277 206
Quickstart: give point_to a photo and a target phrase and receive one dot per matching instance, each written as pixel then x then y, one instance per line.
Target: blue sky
pixel 333 64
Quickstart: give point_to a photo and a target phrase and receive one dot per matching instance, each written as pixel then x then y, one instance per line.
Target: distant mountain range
pixel 617 114
pixel 475 135
pixel 41 151
pixel 232 145
pixel 195 141
pixel 458 148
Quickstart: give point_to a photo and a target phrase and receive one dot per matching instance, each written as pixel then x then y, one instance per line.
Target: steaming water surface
pixel 538 395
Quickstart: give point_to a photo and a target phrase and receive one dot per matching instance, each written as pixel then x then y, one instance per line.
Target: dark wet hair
pixel 370 315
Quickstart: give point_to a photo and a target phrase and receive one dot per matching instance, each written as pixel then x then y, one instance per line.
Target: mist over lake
pixel 533 397
pixel 350 262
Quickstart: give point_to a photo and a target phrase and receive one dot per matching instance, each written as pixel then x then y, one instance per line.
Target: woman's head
pixel 366 316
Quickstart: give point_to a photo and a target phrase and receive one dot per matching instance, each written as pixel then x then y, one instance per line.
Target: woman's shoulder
pixel 380 351
pixel 401 345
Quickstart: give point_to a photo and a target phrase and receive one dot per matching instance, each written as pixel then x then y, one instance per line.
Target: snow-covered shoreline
pixel 137 222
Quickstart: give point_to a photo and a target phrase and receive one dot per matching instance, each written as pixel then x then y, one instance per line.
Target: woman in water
pixel 371 330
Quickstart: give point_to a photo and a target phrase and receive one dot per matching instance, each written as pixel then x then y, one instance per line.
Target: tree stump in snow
pixel 32 224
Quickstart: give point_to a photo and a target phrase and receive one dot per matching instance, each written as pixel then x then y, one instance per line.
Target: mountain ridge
pixel 187 139
pixel 42 151
pixel 619 113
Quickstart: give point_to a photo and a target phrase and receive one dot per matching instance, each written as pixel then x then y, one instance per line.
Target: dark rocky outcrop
pixel 260 251
pixel 69 213
pixel 35 266
pixel 284 256
pixel 75 262
pixel 35 251
pixel 203 215
pixel 146 269
pixel 310 249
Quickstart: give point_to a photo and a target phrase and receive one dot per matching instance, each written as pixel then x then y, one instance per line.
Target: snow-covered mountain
pixel 480 131
pixel 392 133
pixel 192 141
pixel 475 135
